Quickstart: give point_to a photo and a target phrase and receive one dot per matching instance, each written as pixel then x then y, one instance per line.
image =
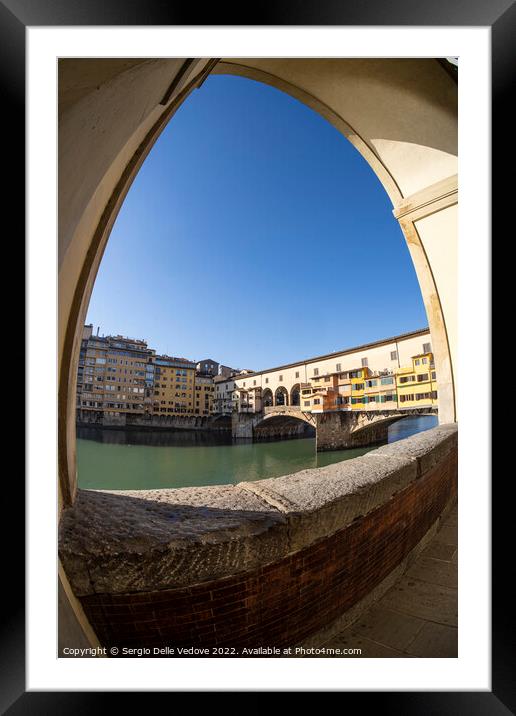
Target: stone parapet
pixel 270 561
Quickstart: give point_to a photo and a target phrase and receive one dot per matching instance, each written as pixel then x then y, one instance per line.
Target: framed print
pixel 224 195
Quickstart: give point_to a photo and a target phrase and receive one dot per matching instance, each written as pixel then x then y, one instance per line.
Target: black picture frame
pixel 500 16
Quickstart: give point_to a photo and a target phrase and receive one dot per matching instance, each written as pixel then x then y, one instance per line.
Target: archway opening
pixel 325 113
pixel 116 159
pixel 281 396
pixel 267 398
pixel 286 427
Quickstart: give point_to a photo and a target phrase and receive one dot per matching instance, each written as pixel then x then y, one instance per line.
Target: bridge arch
pixel 108 128
pixel 287 416
pixel 287 424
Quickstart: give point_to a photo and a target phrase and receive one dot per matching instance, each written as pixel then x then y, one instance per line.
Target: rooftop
pixel 345 351
pixel 174 359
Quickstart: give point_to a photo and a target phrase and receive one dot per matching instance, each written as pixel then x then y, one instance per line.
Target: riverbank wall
pixel 128 421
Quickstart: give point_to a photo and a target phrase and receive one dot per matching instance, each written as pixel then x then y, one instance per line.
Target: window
pixel 364 363
pixel 280 378
pixel 316 371
pixel 433 375
pixel 427 347
pixel 338 368
pixel 394 355
pixel 317 401
pixel 417 361
pixel 422 377
pixel 306 403
pixel 386 381
pixel 297 374
pixel 266 380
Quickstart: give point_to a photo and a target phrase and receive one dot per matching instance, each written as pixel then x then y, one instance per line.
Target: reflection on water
pixel 131 460
pixel 159 438
pixel 410 426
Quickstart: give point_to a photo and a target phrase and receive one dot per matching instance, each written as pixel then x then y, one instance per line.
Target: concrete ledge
pixel 317 503
pixel 427 448
pixel 139 541
pixel 152 539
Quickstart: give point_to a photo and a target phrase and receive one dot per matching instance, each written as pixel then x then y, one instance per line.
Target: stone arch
pixel 284 425
pixel 281 396
pixel 267 398
pixel 295 395
pixel 113 111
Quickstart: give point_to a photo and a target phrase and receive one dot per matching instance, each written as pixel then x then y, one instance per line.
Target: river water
pixel 127 460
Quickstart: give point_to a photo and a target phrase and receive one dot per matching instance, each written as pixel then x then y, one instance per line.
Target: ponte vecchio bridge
pixel 334 430
pixel 349 398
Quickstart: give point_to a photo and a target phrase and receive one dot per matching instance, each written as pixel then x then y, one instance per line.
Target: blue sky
pixel 257 235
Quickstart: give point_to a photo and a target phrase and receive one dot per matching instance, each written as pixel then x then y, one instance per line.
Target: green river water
pixel 127 460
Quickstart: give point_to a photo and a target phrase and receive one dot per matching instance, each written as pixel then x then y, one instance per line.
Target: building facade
pixel 204 393
pixel 226 372
pixel 123 375
pixel 224 396
pixel 174 386
pixel 417 384
pixel 374 376
pixel 112 373
pixel 208 367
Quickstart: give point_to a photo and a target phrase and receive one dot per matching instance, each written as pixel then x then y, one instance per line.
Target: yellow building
pixel 204 393
pixel 380 391
pixel 174 386
pixel 357 378
pixel 417 385
pixel 357 389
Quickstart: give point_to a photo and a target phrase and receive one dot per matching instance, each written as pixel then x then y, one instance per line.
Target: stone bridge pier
pixel 342 429
pixel 334 430
pixel 243 424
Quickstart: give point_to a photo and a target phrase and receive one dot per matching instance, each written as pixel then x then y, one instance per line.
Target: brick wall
pixel 285 602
